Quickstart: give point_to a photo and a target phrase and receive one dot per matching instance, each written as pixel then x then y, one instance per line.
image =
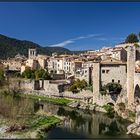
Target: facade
pixel 112 70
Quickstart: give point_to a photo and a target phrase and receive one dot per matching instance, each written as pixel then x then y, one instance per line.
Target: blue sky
pixel 77 26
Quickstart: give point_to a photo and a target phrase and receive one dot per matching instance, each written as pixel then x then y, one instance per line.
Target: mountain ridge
pixel 9 47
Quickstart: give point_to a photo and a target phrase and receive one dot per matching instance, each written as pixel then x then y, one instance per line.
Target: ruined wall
pixel 27 84
pixel 50 87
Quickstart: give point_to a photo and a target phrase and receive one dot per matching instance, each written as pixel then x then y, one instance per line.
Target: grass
pixel 37 124
pixel 59 101
pixel 38 121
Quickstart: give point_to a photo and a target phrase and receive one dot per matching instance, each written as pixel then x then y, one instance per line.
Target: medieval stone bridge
pixel 137 85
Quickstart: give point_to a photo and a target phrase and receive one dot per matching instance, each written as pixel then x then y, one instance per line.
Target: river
pixel 77 123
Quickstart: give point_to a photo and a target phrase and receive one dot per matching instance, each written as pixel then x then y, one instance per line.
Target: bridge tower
pixel 131 57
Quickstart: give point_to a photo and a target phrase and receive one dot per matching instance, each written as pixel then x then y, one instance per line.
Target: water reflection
pixel 77 123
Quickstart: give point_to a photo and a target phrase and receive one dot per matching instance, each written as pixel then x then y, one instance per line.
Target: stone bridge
pixel 137 85
pixel 103 100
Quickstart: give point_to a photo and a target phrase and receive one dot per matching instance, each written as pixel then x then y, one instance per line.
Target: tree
pixel 131 38
pixel 39 73
pixel 73 88
pixel 46 76
pixel 27 73
pixel 2 77
pixel 114 87
pixel 78 85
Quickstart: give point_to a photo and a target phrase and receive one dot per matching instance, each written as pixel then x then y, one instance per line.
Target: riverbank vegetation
pixel 35 126
pixel 109 110
pixel 20 118
pixel 59 101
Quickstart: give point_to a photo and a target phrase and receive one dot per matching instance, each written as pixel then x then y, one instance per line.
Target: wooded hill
pixel 9 47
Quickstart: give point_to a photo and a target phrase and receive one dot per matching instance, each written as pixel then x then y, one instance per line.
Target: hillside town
pixel 94 80
pixel 99 80
pixel 118 64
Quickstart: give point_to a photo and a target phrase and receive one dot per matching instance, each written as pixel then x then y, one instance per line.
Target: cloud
pixel 98 37
pixel 62 44
pixel 70 41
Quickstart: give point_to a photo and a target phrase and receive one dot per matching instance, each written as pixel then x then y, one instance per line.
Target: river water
pixel 77 123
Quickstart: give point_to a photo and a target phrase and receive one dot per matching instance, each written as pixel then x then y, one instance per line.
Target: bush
pixel 109 109
pixel 114 87
pixel 131 114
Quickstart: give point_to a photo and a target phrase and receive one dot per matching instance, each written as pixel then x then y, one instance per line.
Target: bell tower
pixel 32 53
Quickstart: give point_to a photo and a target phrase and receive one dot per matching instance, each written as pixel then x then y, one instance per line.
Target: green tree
pixel 46 76
pixel 27 73
pixel 131 38
pixel 73 88
pixel 114 87
pixel 39 73
pixel 79 85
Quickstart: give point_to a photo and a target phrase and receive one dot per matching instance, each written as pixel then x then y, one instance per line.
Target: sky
pixel 73 25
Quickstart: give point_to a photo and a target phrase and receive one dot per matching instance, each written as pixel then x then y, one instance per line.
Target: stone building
pixel 34 61
pixel 113 70
pixel 15 63
pixel 125 73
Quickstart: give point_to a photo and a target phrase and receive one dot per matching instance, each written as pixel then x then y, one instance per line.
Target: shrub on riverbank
pixel 109 109
pixel 37 126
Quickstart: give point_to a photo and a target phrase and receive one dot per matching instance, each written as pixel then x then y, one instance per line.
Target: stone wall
pixel 27 84
pixel 50 87
pixel 115 72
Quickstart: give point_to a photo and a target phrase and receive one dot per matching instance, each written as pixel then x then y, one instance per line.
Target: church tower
pixel 32 53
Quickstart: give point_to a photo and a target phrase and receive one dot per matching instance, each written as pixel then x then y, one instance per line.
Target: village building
pixel 118 71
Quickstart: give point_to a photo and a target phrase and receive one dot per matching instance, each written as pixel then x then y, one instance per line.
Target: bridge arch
pixel 137 86
pixel 137 91
pixel 110 103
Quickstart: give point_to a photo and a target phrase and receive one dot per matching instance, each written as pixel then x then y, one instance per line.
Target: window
pixel 103 71
pixel 118 81
pixel 112 80
pixel 107 71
